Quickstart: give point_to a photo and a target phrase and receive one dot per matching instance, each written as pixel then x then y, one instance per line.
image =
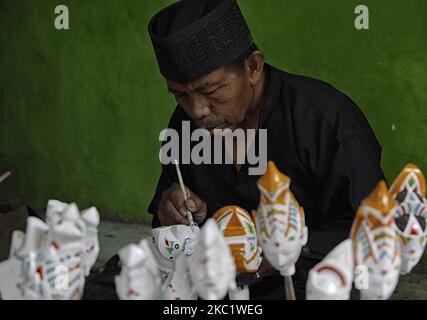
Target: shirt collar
pixel 273 89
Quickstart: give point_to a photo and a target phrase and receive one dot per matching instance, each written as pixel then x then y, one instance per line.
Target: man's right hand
pixel 173 208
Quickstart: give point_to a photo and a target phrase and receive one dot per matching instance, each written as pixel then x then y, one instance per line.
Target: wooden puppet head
pixel 171 241
pixel 332 278
pixel 211 266
pixel 139 278
pixel 172 245
pixel 49 258
pixel 22 275
pixel 410 179
pixel 280 221
pixel 88 220
pixel 411 215
pixel 240 234
pixel 376 245
pixel 67 232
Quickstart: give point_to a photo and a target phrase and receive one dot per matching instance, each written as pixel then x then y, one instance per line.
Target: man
pixel 315 134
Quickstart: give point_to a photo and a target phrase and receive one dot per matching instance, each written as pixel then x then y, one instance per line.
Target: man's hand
pixel 172 207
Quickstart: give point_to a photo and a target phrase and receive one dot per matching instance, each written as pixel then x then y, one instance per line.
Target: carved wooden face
pixel 66 255
pixel 139 278
pixel 173 240
pixel 91 219
pixel 22 275
pixel 411 213
pixel 89 222
pixel 411 227
pixel 178 285
pixel 280 221
pixel 240 234
pixel 50 258
pixel 211 267
pixel 332 278
pixel 376 244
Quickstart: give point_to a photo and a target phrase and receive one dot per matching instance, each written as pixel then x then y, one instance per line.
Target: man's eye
pixel 209 93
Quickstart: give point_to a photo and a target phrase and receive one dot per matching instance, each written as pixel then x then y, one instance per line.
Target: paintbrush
pixel 4 176
pixel 184 193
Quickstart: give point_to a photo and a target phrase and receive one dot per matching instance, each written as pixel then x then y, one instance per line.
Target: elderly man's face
pixel 218 100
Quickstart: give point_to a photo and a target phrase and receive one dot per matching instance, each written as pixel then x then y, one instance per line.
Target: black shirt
pixel 318 137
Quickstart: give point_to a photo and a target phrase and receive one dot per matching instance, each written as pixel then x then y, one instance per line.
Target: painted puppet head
pixel 49 258
pixel 332 278
pixel 411 214
pixel 22 276
pixel 90 218
pixel 280 221
pixel 240 234
pixel 376 245
pixel 410 179
pixel 211 266
pixel 65 256
pixel 139 278
pixel 172 246
pixel 173 240
pixel 178 284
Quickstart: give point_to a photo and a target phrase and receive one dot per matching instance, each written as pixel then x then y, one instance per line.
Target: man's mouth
pixel 212 128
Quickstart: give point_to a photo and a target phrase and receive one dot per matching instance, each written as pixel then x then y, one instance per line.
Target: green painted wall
pixel 81 110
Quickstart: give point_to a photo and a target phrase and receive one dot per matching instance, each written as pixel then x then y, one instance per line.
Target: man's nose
pixel 200 107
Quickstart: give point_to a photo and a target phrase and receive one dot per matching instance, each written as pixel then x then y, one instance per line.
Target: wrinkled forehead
pixel 215 78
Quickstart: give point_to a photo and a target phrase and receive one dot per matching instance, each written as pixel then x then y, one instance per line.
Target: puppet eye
pixel 402 221
pixel 405 240
pixel 422 222
pixel 400 197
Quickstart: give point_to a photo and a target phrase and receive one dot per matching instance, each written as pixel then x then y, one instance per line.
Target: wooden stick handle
pixel 184 192
pixel 4 176
pixel 289 288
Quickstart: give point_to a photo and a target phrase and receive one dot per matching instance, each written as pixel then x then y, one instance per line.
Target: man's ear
pixel 254 65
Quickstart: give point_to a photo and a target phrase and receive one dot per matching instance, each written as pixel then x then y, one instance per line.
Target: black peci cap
pixel 192 38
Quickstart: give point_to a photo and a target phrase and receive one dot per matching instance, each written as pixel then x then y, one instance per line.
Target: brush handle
pixel 184 192
pixel 4 176
pixel 289 288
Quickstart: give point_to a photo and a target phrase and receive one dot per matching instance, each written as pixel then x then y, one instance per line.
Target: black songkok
pixel 192 38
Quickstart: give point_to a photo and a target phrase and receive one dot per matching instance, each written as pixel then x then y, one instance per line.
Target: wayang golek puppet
pixel 51 260
pixel 208 271
pixel 239 232
pixel 280 224
pixel 388 237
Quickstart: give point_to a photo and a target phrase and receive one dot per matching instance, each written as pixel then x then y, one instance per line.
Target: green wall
pixel 81 109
